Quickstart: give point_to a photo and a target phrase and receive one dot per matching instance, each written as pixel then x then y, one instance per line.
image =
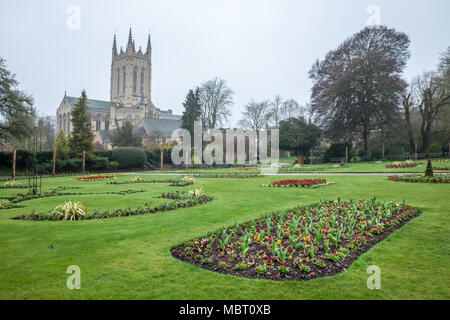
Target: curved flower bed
pixel 228 175
pixel 147 208
pixel 421 178
pixel 300 244
pixel 172 182
pixel 94 178
pixel 305 183
pixel 396 166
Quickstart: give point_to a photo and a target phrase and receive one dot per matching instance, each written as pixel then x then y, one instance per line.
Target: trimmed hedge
pixel 129 157
pixel 154 155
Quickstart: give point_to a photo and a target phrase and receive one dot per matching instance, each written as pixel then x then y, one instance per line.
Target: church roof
pixel 162 128
pixel 92 104
pixel 169 116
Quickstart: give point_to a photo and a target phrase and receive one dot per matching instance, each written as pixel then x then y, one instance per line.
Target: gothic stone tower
pixel 131 74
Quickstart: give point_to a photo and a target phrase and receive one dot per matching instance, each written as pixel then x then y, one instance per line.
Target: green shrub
pixel 113 164
pixel 98 163
pixel 429 170
pixel 129 157
pixel 154 155
pixel 435 147
pixel 337 150
pixel 396 150
pixel 377 154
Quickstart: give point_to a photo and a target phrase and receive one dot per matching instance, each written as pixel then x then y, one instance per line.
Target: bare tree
pixel 432 91
pixel 276 107
pixel 358 86
pixel 256 115
pixel 407 103
pixel 216 100
pixel 290 109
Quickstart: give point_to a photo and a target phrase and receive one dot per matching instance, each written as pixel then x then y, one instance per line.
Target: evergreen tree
pixel 192 111
pixel 429 170
pixel 16 109
pixel 82 137
pixel 125 137
pixel 61 146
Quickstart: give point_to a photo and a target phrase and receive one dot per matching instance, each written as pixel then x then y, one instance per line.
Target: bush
pixel 103 154
pixel 435 147
pixel 70 165
pixel 337 150
pixel 98 163
pixel 377 154
pixel 129 157
pixel 396 150
pixel 429 170
pixel 154 155
pixel 113 164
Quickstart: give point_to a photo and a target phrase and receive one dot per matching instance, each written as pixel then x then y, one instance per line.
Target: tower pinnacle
pixel 149 43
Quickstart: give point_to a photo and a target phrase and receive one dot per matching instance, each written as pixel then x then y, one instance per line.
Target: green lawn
pixel 129 258
pixel 353 167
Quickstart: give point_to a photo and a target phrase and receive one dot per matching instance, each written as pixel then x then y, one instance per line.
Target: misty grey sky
pixel 261 47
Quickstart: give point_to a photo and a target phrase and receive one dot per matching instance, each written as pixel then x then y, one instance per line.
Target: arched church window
pixel 124 79
pixel 118 81
pixel 64 124
pixel 68 123
pixel 98 121
pixel 142 81
pixel 107 122
pixel 134 81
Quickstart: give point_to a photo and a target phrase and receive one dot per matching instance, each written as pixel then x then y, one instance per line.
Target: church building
pixel 130 100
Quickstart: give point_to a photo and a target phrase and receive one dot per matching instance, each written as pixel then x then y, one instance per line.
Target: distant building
pixel 130 100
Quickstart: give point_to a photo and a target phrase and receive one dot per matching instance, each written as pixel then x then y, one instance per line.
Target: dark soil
pixel 330 269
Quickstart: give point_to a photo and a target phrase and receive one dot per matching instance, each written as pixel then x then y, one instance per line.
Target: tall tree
pixel 16 108
pixel 216 100
pixel 61 146
pixel 125 137
pixel 432 91
pixel 357 87
pixel 256 115
pixel 298 136
pixel 82 137
pixel 290 109
pixel 408 104
pixel 276 111
pixel 192 111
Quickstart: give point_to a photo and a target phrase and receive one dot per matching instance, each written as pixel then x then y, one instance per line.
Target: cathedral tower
pixel 131 74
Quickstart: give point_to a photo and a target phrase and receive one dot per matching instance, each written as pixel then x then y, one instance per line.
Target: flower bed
pixel 147 208
pixel 300 244
pixel 421 178
pixel 441 168
pixel 183 182
pixel 20 197
pixel 228 175
pixel 305 183
pixel 396 166
pixel 94 178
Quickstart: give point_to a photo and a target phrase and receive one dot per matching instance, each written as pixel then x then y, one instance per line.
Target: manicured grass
pixel 353 167
pixel 129 258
